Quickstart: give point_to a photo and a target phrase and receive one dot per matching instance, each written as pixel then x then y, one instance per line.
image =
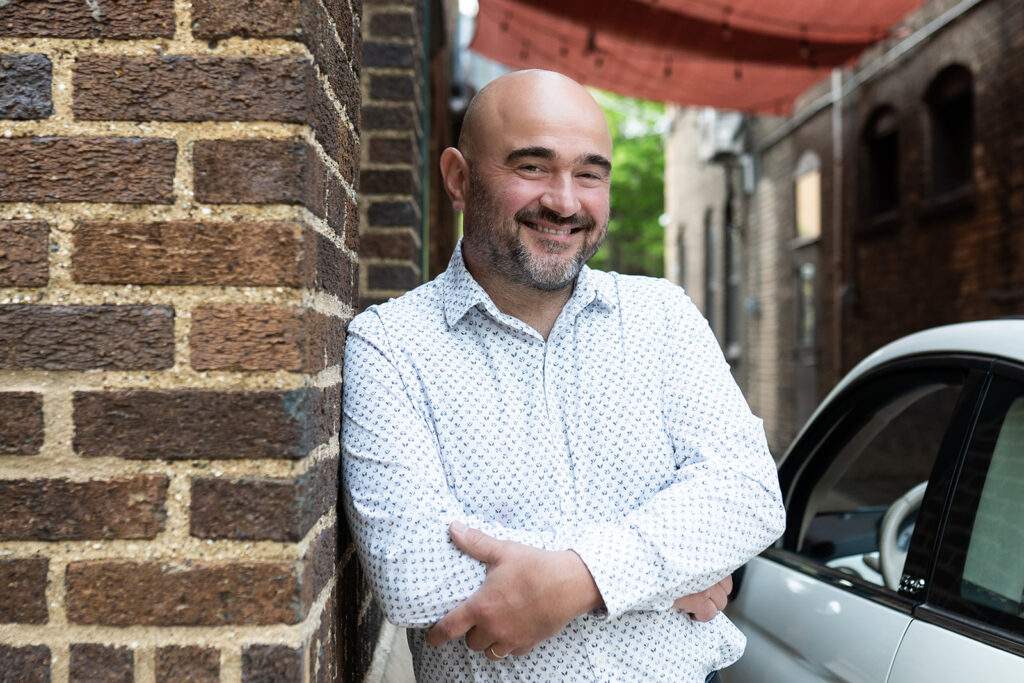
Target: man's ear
pixel 455 174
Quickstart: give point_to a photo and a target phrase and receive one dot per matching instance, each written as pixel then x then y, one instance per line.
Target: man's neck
pixel 537 308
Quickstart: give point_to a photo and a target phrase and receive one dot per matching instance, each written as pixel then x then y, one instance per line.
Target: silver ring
pixel 490 648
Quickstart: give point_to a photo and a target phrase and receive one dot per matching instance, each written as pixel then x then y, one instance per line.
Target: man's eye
pixel 529 168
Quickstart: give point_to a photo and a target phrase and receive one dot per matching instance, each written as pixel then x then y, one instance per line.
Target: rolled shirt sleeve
pixel 724 505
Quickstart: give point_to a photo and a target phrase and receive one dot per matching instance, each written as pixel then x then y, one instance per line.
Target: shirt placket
pixel 559 438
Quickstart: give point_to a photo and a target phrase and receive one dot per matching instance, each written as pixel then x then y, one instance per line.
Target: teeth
pixel 548 231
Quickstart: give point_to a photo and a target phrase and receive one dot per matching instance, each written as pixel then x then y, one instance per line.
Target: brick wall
pixel 178 259
pixel 394 103
pixel 938 263
pixel 931 262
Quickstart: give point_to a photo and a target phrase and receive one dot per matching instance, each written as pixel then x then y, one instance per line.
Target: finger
pixel 705 612
pixel 718 596
pixel 495 652
pixel 453 625
pixel 726 584
pixel 475 543
pixel 688 603
pixel 477 639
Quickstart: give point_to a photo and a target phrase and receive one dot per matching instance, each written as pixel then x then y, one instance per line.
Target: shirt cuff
pixel 617 561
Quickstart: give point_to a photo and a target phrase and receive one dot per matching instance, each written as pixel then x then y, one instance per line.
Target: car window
pixel 994 568
pixel 886 451
pixel 980 571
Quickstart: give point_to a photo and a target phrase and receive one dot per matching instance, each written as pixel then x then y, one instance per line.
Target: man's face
pixel 537 205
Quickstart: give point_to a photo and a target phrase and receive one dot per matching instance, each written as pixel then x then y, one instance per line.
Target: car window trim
pixel 841 580
pixel 960 611
pixel 976 370
pixel 970 628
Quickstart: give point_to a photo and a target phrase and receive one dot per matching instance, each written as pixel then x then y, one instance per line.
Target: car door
pixel 971 627
pixel 816 607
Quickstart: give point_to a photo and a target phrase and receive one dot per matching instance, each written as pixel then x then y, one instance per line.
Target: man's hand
pixel 528 596
pixel 704 606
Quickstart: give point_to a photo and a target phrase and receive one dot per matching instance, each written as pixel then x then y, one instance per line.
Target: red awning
pixel 748 55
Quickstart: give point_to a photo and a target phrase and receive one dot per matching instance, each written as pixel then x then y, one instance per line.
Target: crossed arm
pixel 676 544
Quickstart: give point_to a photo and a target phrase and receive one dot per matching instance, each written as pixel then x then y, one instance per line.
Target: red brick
pixel 63 19
pixel 388 182
pixel 353 589
pixel 392 276
pixel 187 664
pixel 24 253
pixel 271 664
pixel 23 585
pixel 392 151
pixel 27 664
pixel 323 646
pixel 249 171
pixel 213 19
pixel 185 253
pixel 25 85
pixel 351 225
pixel 94 663
pixel 390 244
pixel 86 337
pixel 341 14
pixel 317 181
pixel 389 117
pixel 392 88
pixel 263 509
pixel 318 566
pixel 333 134
pixel 120 170
pixel 192 424
pixel 185 594
pixel 394 214
pixel 389 55
pixel 264 338
pixel 183 88
pixel 59 509
pixel 392 25
pixel 329 269
pixel 246 338
pixel 21 423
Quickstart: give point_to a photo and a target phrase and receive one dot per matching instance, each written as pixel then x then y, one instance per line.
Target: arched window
pixel 882 156
pixel 950 100
pixel 807 181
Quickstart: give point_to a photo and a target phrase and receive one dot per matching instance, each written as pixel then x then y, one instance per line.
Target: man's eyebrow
pixel 522 152
pixel 595 160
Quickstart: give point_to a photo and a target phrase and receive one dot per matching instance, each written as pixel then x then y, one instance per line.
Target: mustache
pixel 577 220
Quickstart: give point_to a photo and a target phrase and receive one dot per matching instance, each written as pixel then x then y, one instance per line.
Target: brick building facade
pixel 180 210
pixel 852 224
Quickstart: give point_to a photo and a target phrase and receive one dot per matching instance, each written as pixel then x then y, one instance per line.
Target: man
pixel 539 458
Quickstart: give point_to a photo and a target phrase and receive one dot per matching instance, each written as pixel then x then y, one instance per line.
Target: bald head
pixel 525 100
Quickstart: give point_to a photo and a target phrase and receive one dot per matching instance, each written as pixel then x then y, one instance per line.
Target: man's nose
pixel 560 196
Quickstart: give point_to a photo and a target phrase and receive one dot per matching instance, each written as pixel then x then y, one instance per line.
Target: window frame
pixel 945 607
pixel 960 79
pixel 875 216
pixel 817 445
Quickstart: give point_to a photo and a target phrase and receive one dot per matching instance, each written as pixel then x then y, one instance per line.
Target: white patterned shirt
pixel 622 437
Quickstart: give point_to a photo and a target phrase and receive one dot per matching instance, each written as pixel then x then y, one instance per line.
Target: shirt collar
pixel 462 292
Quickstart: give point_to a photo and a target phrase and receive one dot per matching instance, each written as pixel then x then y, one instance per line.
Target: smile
pixel 562 232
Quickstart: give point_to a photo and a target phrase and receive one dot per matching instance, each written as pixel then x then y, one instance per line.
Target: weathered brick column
pixel 393 109
pixel 178 259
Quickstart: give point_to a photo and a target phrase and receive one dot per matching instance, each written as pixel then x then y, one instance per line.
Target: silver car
pixel 903 560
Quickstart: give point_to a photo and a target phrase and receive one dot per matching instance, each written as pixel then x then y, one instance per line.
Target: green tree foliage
pixel 635 241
